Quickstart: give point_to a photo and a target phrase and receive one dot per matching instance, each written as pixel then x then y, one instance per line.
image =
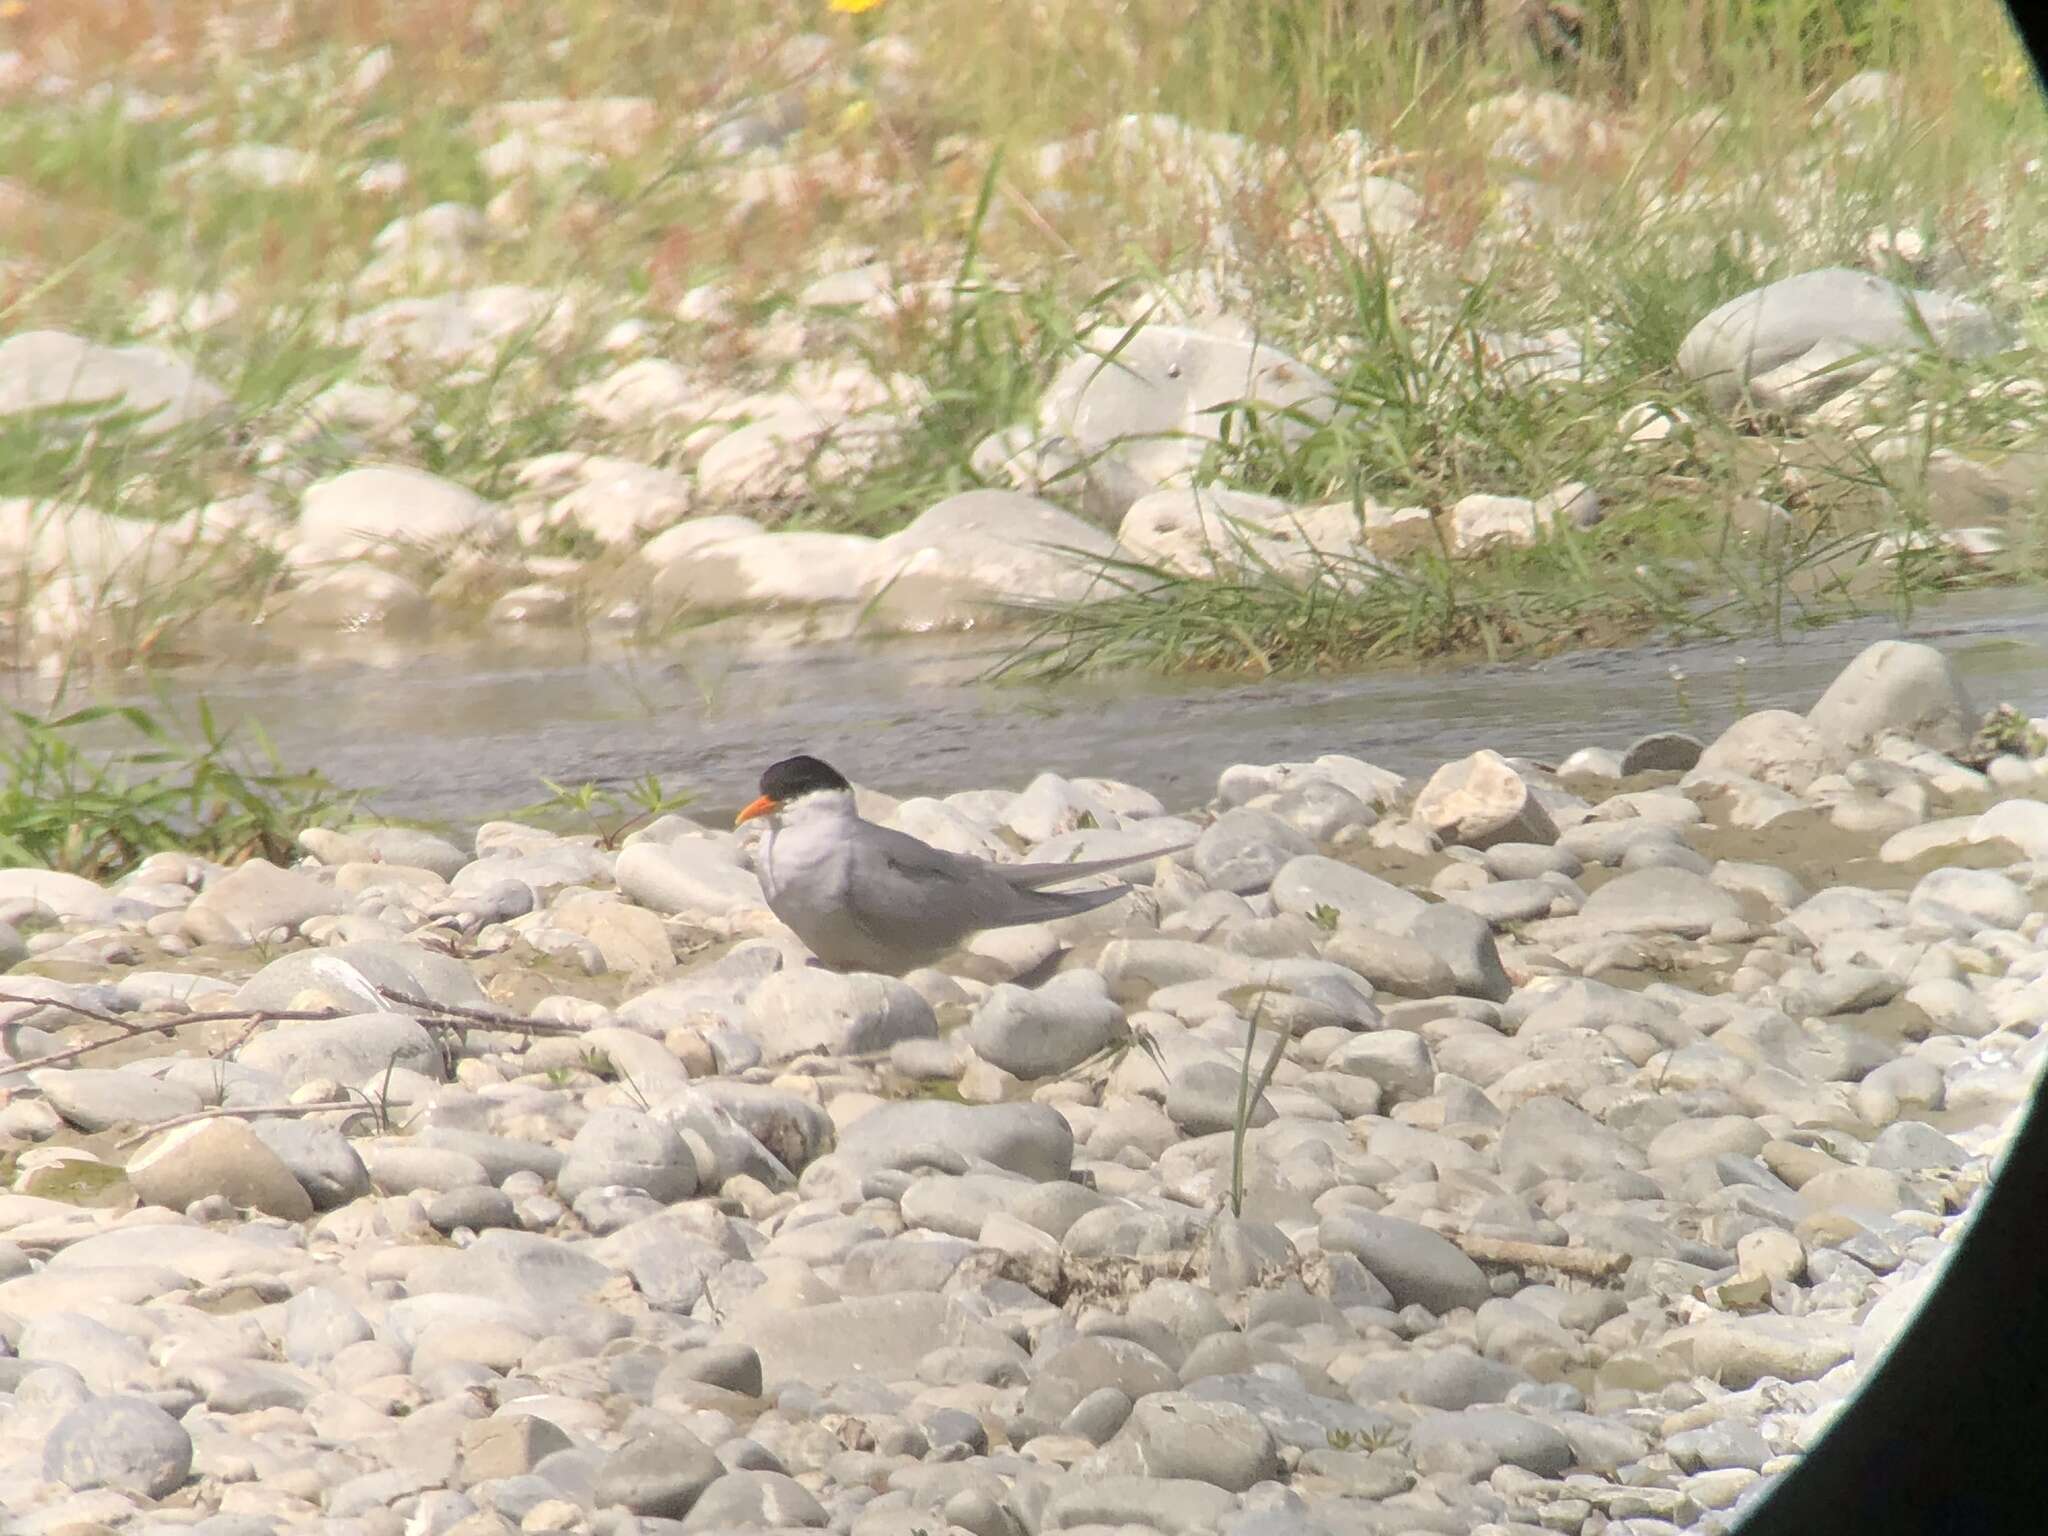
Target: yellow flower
pixel 851 7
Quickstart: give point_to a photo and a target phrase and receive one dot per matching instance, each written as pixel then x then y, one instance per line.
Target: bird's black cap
pixel 795 777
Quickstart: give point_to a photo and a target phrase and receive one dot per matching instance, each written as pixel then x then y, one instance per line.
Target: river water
pixel 460 731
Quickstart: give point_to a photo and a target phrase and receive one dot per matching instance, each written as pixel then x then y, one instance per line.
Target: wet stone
pixel 1661 752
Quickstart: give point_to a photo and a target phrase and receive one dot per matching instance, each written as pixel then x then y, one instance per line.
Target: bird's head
pixel 791 781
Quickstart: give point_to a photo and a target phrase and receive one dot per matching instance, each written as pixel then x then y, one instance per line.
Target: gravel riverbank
pixel 1623 1109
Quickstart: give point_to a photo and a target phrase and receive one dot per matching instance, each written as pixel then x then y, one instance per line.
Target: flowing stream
pixel 461 731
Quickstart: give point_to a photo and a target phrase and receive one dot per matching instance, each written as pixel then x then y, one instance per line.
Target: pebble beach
pixel 1604 1120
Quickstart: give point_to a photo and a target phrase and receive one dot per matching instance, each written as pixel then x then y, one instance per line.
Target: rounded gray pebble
pixel 627 1148
pixel 318 1156
pixel 735 1367
pixel 1202 1099
pixel 121 1443
pixel 478 1207
pixel 661 1474
pixel 1098 1416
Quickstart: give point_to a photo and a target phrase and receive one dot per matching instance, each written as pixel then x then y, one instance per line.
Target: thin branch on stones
pixel 140 1134
pixel 1592 1263
pixel 129 1030
pixel 482 1018
pixel 445 1015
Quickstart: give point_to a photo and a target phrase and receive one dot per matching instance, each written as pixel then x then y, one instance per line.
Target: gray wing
pixel 907 894
pixel 918 860
pixel 1029 876
pixel 925 860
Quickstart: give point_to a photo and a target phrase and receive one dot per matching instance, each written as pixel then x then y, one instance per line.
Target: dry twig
pixel 1592 1263
pixel 482 1018
pixel 240 1112
pixel 130 1030
pixel 446 1015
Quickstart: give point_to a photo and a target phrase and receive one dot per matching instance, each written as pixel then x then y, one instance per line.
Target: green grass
pixel 97 790
pixel 1576 589
pixel 2006 729
pixel 607 812
pixel 1426 417
pixel 932 166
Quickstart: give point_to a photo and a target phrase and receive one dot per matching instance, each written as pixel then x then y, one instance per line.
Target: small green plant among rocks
pixel 1365 1439
pixel 1252 1082
pixel 609 812
pixel 2007 731
pixel 94 791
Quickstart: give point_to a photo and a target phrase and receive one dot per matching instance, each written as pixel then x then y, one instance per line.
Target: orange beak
pixel 764 805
